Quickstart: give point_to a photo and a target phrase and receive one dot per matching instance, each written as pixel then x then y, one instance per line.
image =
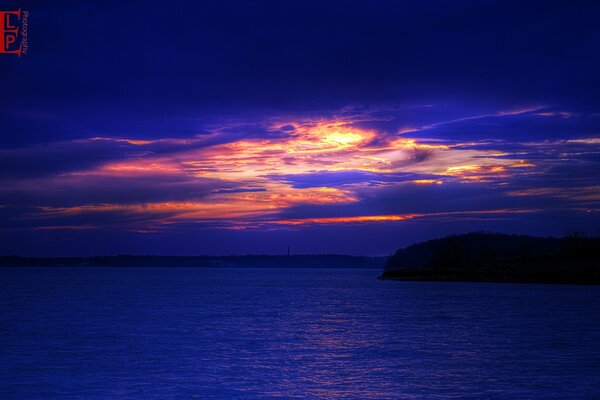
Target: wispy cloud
pixel 242 175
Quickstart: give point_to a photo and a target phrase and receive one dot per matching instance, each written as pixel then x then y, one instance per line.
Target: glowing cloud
pixel 237 181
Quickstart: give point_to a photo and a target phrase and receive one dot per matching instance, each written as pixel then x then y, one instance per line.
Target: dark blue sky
pixel 241 127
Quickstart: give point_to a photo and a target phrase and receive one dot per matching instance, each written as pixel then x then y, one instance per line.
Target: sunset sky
pixel 234 127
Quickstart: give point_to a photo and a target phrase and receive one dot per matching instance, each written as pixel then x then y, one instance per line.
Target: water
pixel 163 333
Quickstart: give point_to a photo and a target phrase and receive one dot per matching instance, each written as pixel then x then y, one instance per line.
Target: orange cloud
pixel 220 206
pixel 311 147
pixel 397 217
pixel 337 220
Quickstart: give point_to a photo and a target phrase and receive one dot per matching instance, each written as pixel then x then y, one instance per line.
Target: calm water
pixel 275 333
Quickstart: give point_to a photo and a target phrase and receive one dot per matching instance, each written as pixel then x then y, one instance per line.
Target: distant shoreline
pixel 246 261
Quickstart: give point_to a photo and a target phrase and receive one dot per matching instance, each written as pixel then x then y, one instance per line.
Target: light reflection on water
pixel 276 333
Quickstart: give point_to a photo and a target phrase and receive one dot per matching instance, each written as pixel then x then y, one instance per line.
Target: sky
pixel 352 127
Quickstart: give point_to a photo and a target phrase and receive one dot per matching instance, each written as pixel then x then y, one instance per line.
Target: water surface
pixel 184 333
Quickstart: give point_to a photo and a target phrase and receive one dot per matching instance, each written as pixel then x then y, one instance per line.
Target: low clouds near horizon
pixel 298 174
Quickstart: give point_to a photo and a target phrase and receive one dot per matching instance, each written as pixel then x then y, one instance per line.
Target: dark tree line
pixel 473 249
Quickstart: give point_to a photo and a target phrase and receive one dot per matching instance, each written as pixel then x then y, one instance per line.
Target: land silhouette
pixel 476 256
pixel 255 261
pixel 495 257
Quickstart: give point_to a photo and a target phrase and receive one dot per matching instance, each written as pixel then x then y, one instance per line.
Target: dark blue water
pixel 274 333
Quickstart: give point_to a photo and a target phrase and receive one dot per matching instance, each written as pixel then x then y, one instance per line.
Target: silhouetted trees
pixel 493 257
pixel 481 247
